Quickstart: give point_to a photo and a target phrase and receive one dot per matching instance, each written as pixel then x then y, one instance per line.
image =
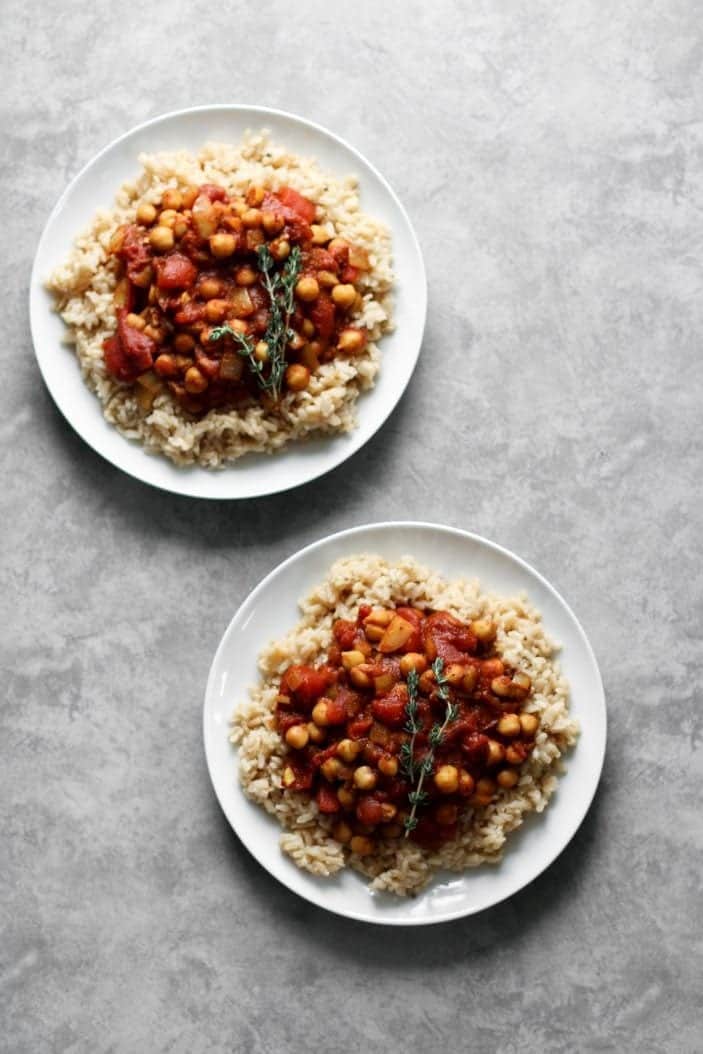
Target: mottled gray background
pixel 550 157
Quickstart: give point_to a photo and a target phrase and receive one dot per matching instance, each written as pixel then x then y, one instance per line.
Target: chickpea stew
pixel 230 302
pixel 405 725
pixel 412 717
pixel 224 298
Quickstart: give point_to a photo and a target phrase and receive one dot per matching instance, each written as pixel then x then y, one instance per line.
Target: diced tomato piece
pixel 175 272
pixel 358 728
pixel 341 254
pixel 475 746
pixel 344 633
pixel 134 251
pixel 327 800
pixel 363 612
pixel 129 352
pixel 448 638
pixel 318 259
pixel 390 710
pixel 301 206
pixel 305 682
pixel 213 192
pixel 351 701
pixel 208 366
pixel 285 719
pixel 322 315
pixel 369 810
pixel 304 775
pixel 336 711
pixel 189 314
pixel 350 274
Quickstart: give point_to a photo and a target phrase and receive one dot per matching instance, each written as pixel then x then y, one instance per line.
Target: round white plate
pixel 95 187
pixel 271 609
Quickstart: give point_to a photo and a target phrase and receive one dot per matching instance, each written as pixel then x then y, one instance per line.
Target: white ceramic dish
pixel 271 609
pixel 95 187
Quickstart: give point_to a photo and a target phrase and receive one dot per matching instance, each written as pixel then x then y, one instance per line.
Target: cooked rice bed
pixel 400 866
pixel 85 284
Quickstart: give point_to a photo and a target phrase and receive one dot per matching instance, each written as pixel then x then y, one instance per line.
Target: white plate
pixel 95 187
pixel 271 610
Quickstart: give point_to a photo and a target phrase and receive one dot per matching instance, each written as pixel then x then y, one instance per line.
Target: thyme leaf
pixel 417 796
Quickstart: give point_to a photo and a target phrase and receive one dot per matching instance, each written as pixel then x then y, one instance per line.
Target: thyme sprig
pixel 280 287
pixel 413 768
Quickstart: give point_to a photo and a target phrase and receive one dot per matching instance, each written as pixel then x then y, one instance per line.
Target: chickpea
pixel 338 245
pixel 194 381
pixel 331 768
pixel 388 765
pixel 446 814
pixel 413 660
pixel 351 341
pixel 359 678
pixel 517 688
pixel 496 752
pixel 507 778
pixel 509 725
pixel 348 749
pixel 529 723
pixel 320 713
pixel 352 658
pixel 516 753
pixel 167 218
pixel 172 199
pixel 484 630
pixel 183 343
pixel 297 737
pixel 469 680
pixel 466 783
pixel 454 673
pixel 252 218
pixel 320 234
pixel 146 214
pixel 446 779
pixel 144 278
pixel 261 351
pixel 342 832
pixel 327 279
pixel 288 776
pixel 344 296
pixel 427 681
pixel 307 289
pixel 388 812
pixel 216 310
pixel 255 195
pixel 166 366
pixel 297 377
pixel 157 335
pixel 280 249
pixel 364 778
pixel 316 734
pixel 245 275
pixel 361 846
pixel 308 329
pixel 161 238
pixel 485 788
pixel 188 195
pixel 222 245
pixel 271 222
pixel 135 321
pixel 180 226
pixel 210 288
pixel 346 797
pixel 393 830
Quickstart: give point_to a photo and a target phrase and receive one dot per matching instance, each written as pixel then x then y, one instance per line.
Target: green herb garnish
pixel 280 286
pixel 412 768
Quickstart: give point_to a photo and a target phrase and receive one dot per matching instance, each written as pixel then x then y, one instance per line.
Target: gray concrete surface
pixel 550 157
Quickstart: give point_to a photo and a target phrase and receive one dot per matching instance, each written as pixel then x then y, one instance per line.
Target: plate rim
pixel 180 485
pixel 390 525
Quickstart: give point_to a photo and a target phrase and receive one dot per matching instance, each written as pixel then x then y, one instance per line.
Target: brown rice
pixel 84 285
pixel 400 866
